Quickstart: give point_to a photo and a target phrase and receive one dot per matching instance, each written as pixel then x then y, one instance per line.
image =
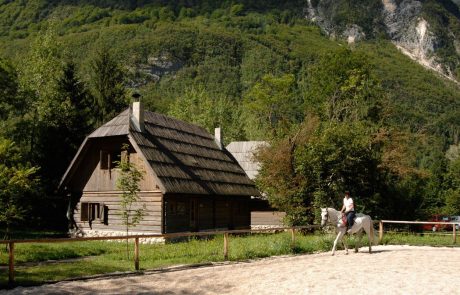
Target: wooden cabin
pixel 262 214
pixel 191 182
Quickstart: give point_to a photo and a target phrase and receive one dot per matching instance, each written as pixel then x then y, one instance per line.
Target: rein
pixel 329 219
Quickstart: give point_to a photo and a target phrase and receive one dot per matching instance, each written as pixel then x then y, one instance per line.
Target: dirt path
pixel 390 270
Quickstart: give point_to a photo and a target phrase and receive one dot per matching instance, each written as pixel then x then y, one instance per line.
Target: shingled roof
pixel 243 152
pixel 184 157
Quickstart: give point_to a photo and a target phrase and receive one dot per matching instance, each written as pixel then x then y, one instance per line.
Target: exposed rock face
pixel 412 35
pixel 353 34
pixel 159 66
pixel 403 23
pixel 155 68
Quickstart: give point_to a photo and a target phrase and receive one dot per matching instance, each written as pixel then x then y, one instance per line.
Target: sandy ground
pixel 389 270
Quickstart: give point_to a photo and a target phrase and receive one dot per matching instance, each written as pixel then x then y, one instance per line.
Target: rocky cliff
pixel 426 31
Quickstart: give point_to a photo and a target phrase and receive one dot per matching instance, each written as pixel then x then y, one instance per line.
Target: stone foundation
pixel 265 226
pixel 112 233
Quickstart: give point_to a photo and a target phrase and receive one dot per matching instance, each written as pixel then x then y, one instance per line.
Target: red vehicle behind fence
pixel 438 227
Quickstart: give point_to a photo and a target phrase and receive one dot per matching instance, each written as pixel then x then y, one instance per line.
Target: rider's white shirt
pixel 348 204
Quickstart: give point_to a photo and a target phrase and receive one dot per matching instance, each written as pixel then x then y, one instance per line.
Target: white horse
pixel 362 222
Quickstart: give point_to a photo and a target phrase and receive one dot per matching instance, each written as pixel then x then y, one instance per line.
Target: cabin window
pixel 94 211
pixel 176 208
pixel 109 159
pixel 114 157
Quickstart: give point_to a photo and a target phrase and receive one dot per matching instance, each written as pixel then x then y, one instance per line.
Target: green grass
pixel 442 239
pixel 99 257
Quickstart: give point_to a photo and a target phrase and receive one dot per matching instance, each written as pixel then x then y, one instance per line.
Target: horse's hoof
pixel 333 254
pixel 356 250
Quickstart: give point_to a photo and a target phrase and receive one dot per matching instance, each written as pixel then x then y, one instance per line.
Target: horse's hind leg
pixel 370 234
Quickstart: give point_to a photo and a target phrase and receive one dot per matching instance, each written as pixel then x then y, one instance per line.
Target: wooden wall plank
pixel 152 220
pixel 116 198
pixel 90 176
pixel 267 218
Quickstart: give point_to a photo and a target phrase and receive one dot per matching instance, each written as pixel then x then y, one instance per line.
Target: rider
pixel 349 209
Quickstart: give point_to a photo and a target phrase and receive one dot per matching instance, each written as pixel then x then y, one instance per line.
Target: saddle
pixel 344 222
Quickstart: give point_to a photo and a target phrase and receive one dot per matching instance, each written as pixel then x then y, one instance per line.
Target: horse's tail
pixel 374 235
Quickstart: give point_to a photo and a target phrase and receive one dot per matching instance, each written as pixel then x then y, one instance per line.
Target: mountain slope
pixel 427 31
pixel 226 48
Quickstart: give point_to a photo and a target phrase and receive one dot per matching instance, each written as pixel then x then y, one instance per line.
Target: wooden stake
pixel 226 246
pixel 136 253
pixel 292 237
pixel 380 231
pixel 11 263
pixel 454 233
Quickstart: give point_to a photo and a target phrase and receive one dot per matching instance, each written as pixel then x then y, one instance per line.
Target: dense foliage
pixel 257 69
pixel 17 184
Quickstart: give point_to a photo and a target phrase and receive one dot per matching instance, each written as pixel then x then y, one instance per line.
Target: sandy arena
pixel 390 270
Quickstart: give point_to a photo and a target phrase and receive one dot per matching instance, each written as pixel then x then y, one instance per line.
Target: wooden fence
pixel 226 234
pixel 453 224
pixel 11 243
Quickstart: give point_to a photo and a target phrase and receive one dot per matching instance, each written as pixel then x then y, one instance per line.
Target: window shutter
pixel 84 212
pixel 109 161
pixel 90 212
pixel 106 215
pixel 104 160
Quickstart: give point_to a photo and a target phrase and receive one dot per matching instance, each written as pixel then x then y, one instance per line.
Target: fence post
pixel 454 233
pixel 380 231
pixel 292 237
pixel 11 263
pixel 136 253
pixel 226 246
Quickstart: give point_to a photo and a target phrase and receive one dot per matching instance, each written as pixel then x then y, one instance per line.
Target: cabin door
pixel 193 214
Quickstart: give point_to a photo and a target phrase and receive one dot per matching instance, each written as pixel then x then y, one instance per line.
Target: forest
pixel 360 117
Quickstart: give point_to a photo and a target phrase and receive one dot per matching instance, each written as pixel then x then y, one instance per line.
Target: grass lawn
pixel 98 257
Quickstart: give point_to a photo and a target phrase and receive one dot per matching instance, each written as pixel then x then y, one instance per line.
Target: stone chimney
pixel 137 116
pixel 218 137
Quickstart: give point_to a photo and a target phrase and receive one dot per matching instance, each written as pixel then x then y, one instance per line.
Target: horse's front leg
pixel 339 237
pixel 358 240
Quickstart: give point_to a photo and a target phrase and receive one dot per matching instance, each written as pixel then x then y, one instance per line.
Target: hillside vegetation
pixel 256 68
pixel 428 31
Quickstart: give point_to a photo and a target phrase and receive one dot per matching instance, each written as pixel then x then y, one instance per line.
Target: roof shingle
pixel 184 157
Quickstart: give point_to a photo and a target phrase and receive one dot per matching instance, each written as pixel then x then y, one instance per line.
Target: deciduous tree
pixel 271 107
pixel 17 181
pixel 129 183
